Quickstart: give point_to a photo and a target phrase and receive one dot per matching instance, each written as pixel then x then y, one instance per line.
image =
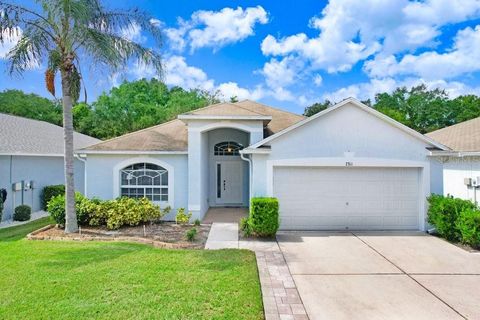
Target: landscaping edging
pixel 158 244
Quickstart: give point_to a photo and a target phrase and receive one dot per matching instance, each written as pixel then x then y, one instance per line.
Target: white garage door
pixel 313 198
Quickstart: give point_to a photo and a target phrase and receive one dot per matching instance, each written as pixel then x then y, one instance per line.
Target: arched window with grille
pixel 227 148
pixel 144 180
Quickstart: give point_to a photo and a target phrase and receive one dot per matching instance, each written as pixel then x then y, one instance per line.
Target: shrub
pixel 245 227
pixel 83 208
pixel 22 213
pixel 263 218
pixel 51 191
pixel 197 222
pixel 125 211
pixel 191 234
pixel 182 217
pixel 1 209
pixel 443 213
pixel 468 225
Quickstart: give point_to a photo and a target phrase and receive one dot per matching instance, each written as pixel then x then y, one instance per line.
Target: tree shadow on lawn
pixel 76 257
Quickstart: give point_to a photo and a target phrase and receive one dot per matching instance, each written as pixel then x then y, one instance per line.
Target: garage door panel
pixel 313 198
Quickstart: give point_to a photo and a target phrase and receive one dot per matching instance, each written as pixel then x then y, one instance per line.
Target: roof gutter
pixel 83 151
pixel 455 154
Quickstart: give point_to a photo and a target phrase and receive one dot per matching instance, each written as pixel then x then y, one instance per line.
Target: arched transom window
pixel 144 180
pixel 227 148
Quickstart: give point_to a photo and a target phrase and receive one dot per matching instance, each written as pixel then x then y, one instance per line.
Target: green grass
pixel 95 280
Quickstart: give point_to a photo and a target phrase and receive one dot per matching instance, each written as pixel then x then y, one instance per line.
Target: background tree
pixel 32 106
pixel 316 108
pixel 62 33
pixel 419 108
pixel 136 105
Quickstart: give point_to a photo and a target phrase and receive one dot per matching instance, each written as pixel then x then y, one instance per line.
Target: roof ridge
pixel 274 108
pixel 131 133
pixel 203 108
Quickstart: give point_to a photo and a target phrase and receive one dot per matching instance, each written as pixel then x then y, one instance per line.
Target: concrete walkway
pixel 223 235
pixel 35 216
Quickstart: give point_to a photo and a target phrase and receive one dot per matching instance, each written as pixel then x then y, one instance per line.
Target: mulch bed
pixel 164 235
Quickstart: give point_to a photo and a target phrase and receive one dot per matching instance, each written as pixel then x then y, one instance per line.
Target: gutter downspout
pixel 250 173
pixel 84 173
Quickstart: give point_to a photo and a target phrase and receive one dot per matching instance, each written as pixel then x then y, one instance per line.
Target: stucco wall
pixel 354 136
pixel 100 176
pixel 455 170
pixel 44 171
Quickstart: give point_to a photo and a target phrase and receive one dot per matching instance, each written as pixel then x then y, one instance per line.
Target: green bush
pixel 125 211
pixel 182 217
pixel 83 208
pixel 245 227
pixel 468 225
pixel 51 191
pixel 22 213
pixel 197 222
pixel 443 213
pixel 264 219
pixel 191 234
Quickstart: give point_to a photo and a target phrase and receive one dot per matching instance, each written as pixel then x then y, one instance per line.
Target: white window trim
pixel 125 163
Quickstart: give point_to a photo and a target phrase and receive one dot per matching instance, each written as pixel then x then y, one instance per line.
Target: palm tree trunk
pixel 71 224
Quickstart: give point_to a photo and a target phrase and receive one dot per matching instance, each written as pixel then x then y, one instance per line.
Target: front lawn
pixel 95 280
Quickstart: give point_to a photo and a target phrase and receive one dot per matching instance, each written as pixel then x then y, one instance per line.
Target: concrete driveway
pixel 382 276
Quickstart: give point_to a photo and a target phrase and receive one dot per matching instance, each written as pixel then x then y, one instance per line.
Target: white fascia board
pixel 213 117
pixel 26 154
pixel 256 151
pixel 362 106
pixel 127 152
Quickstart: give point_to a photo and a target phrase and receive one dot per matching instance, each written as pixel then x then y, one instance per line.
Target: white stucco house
pixel 348 167
pixel 31 156
pixel 461 164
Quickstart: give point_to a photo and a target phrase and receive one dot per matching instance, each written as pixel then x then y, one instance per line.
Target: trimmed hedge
pixel 468 225
pixel 22 213
pixel 264 217
pixel 112 213
pixel 443 213
pixel 51 191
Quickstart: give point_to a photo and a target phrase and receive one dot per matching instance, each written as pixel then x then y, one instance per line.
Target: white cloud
pixel 216 29
pixel 9 41
pixel 368 90
pixel 281 73
pixel 351 31
pixel 317 80
pixel 179 73
pixel 463 57
pixel 232 89
pixel 134 33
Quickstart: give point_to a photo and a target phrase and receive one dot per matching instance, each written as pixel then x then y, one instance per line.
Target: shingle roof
pixel 464 136
pixel 26 136
pixel 172 136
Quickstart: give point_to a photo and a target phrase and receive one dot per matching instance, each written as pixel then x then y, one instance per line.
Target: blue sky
pixel 293 53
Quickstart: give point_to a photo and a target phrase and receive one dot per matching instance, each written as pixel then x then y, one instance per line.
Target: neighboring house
pixel 348 167
pixel 32 150
pixel 461 165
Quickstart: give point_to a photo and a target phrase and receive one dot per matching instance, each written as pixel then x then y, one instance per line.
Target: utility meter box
pixel 476 182
pixel 17 186
pixel 467 182
pixel 26 185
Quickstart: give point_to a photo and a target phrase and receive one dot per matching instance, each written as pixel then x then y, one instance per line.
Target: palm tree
pixel 60 33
